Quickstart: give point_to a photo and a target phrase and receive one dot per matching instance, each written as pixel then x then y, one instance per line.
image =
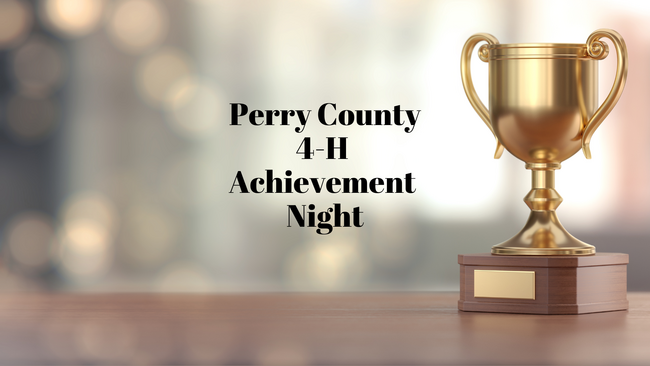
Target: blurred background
pixel 116 154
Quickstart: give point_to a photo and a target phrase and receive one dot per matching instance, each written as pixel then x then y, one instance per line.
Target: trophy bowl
pixel 543 109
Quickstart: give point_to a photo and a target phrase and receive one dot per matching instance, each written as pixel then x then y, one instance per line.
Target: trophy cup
pixel 543 102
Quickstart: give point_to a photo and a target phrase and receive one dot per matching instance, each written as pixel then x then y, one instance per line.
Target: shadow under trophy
pixel 543 108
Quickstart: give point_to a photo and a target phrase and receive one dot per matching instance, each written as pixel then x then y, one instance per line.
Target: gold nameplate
pixel 504 284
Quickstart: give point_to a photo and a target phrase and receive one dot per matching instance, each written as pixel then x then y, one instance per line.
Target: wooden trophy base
pixel 543 284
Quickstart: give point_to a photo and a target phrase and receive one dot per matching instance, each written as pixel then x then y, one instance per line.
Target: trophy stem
pixel 543 234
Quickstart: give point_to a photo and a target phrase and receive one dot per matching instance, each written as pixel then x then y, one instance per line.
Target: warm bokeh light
pixel 136 26
pixel 30 237
pixel 92 206
pixel 15 20
pixel 31 119
pixel 194 106
pixel 326 264
pixel 159 72
pixel 39 66
pixel 72 18
pixel 89 221
pixel 85 249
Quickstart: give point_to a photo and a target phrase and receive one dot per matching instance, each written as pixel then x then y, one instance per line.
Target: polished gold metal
pixel 599 50
pixel 504 284
pixel 466 76
pixel 543 109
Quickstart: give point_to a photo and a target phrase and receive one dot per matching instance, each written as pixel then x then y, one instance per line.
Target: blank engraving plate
pixel 504 284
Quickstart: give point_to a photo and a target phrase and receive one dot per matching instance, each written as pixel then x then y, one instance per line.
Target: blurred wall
pixel 116 153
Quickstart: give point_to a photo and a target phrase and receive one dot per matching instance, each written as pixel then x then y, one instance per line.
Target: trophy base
pixel 543 284
pixel 542 235
pixel 542 251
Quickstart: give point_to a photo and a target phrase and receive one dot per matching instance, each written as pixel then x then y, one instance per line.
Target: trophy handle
pixel 466 75
pixel 599 50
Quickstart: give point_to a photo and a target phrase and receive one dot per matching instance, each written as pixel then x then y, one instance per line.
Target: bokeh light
pixel 159 72
pixel 72 18
pixel 31 119
pixel 89 220
pixel 30 237
pixel 136 26
pixel 327 264
pixel 15 22
pixel 92 206
pixel 85 249
pixel 194 106
pixel 39 66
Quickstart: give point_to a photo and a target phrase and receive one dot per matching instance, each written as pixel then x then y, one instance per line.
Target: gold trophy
pixel 543 102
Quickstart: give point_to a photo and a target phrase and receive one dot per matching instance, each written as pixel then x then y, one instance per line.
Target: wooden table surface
pixel 284 329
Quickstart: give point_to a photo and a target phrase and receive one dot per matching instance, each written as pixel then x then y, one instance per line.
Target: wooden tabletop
pixel 284 329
